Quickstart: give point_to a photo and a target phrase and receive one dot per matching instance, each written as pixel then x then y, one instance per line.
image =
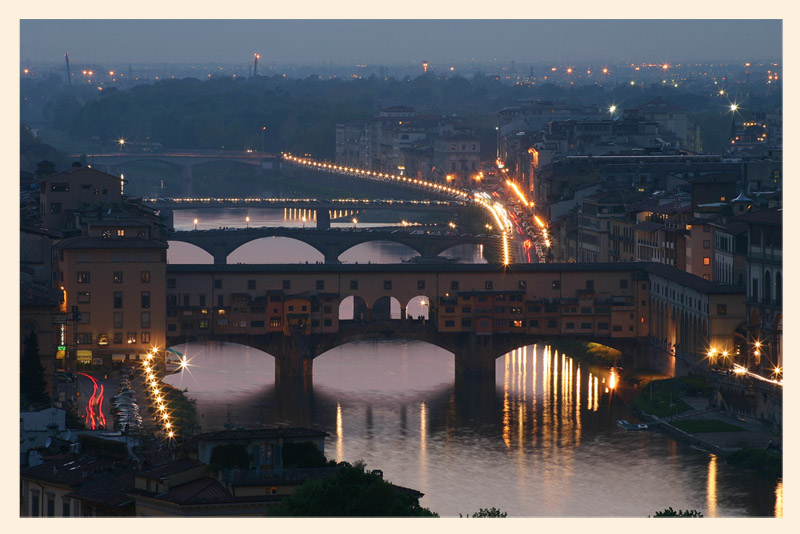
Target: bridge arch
pixel 418 306
pixel 353 308
pixel 463 251
pixel 259 251
pixel 387 308
pixel 384 252
pixel 183 252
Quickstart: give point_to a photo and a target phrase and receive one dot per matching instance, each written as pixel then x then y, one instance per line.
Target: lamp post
pixel 355 222
pixel 247 221
pixel 263 129
pixel 195 223
pixel 304 222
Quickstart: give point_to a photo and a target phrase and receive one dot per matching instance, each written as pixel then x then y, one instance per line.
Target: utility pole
pixel 69 76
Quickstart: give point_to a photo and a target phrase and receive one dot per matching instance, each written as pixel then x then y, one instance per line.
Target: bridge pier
pixel 186 181
pixel 323 220
pixel 475 357
pixel 332 257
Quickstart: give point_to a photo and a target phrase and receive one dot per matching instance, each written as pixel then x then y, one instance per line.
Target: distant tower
pixel 69 76
pixel 255 65
pixel 425 66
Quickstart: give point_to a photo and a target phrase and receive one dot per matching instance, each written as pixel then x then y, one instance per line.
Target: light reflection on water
pixel 540 442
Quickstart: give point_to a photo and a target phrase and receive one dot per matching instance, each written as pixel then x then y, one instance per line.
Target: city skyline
pixel 438 41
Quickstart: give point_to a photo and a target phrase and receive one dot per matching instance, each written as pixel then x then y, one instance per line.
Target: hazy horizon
pixel 342 42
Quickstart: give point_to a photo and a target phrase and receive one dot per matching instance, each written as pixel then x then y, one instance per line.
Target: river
pixel 542 441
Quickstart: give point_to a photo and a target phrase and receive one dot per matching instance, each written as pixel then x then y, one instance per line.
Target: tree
pixel 487 512
pixel 302 455
pixel 351 492
pixel 669 512
pixel 32 386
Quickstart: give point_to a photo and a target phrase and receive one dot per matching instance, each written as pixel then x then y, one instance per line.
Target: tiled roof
pixel 772 216
pixel 171 468
pixel 111 491
pixel 70 470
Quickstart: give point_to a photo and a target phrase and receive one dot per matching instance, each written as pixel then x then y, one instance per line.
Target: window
pixel 145 337
pixel 722 309
pixel 172 300
pixel 117 319
pixel 454 285
pixel 552 323
pixel 328 309
pixel 286 284
pixel 585 326
pixel 488 284
pixel 84 338
pixel 706 260
pixel 420 284
pixel 303 308
pixel 34 503
pixel 83 277
pixel 556 284
pixel 617 328
pixel 590 284
pixel 170 283
pixel 387 284
pixel 51 505
pixel 466 309
pixel 522 284
pixel 251 284
pixel 353 284
pixel 131 337
pixel 220 302
pixel 120 232
pixel 64 507
pixel 186 300
pixel 327 322
pixel 202 300
pixel 320 285
pixel 466 323
pixel 534 323
pixel 145 277
pixel 450 323
pixel 145 319
pixel 706 243
pixel 275 322
pixel 570 326
pixel 203 325
pixel 602 326
pixel 256 324
pixel 117 277
pixel 217 283
pixel 145 299
pixel 118 337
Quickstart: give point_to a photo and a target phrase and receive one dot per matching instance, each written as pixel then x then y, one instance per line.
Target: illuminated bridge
pixel 331 242
pixel 320 212
pixel 476 312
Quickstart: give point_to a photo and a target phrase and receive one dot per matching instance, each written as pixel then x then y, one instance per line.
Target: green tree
pixel 302 455
pixel 32 386
pixel 669 512
pixel 350 492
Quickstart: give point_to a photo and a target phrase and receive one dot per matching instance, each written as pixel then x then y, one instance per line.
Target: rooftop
pixel 82 242
pixel 260 433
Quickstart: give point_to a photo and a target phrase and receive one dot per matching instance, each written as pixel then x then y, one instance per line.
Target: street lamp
pixel 121 142
pixel 246 221
pixel 195 223
pixel 355 222
pixel 304 222
pixel 263 129
pixel 611 110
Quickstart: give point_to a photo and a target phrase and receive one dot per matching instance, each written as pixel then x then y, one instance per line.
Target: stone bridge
pixel 331 242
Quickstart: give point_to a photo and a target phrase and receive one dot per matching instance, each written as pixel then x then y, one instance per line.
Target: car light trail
pixel 95 418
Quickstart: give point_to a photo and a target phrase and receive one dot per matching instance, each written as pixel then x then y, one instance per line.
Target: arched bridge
pixel 331 242
pixel 185 160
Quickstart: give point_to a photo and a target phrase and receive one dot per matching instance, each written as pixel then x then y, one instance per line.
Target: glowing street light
pixel 304 222
pixel 355 222
pixel 195 223
pixel 246 221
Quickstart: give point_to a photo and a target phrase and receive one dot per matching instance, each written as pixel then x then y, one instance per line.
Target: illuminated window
pixel 131 337
pixel 83 277
pixel 706 261
pixel 117 277
pixel 145 277
pixel 120 232
pixel 145 337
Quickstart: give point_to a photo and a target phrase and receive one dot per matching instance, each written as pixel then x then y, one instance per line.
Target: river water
pixel 542 441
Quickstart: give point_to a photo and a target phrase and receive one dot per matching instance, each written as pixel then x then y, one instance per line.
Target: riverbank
pixel 710 428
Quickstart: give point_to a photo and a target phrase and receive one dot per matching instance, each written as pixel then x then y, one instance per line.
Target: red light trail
pixel 97 418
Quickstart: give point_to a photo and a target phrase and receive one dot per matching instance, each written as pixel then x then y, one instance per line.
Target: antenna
pixel 69 76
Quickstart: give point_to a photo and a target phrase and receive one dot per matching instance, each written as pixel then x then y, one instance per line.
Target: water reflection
pixel 541 440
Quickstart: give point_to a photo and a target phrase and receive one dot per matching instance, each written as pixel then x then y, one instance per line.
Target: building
pixel 113 286
pixel 64 196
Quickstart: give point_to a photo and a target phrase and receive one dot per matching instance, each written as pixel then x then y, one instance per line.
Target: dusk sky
pixel 397 41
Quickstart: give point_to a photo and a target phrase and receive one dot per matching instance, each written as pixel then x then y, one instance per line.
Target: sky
pixel 387 42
